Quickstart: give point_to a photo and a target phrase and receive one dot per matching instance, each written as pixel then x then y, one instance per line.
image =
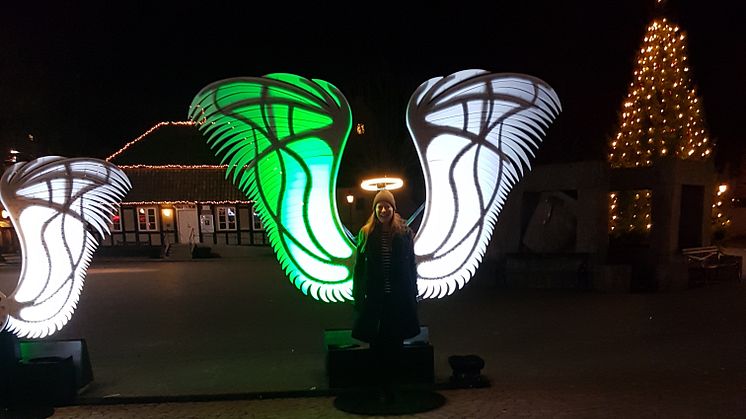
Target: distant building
pixel 184 204
pixel 179 195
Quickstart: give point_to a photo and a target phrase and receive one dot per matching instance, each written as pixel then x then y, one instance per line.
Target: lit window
pixel 116 221
pixel 146 219
pixel 257 222
pixel 226 218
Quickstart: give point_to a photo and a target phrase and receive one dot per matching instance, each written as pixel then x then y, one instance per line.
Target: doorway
pixel 186 219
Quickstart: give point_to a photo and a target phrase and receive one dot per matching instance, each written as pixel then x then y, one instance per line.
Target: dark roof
pixel 159 184
pixel 169 144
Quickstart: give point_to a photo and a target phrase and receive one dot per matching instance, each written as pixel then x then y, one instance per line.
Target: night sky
pixel 85 79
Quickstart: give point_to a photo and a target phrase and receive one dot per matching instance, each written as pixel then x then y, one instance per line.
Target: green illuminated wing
pixel 282 138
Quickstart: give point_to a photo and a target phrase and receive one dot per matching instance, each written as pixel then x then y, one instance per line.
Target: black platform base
pixel 399 403
pixel 349 362
pixel 41 372
pixel 36 351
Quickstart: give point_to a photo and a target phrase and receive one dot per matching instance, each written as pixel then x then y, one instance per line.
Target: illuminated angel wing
pixel 60 208
pixel 282 138
pixel 475 134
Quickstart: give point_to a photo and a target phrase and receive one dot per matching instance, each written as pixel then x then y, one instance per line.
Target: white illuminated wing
pixel 60 208
pixel 475 134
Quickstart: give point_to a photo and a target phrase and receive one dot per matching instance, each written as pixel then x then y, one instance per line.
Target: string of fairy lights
pixel 661 114
pixel 148 132
pixel 629 205
pixel 170 167
pixel 661 117
pixel 719 218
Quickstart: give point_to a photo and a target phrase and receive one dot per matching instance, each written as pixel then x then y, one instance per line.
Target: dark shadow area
pixel 404 402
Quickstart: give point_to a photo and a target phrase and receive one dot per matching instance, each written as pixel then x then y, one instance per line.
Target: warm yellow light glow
pixel 350 199
pixel 656 99
pixel 5 214
pixel 722 188
pixel 380 183
pixel 167 212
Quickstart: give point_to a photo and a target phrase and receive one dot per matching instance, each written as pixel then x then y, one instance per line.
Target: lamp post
pixel 350 200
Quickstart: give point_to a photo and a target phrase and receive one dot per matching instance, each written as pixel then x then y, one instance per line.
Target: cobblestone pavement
pixel 565 402
pixel 171 329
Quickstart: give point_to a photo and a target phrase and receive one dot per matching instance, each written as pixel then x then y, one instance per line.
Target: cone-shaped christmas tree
pixel 662 114
pixel 660 117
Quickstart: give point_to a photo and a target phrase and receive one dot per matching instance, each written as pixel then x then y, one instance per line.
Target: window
pixel 146 219
pixel 226 218
pixel 257 222
pixel 116 220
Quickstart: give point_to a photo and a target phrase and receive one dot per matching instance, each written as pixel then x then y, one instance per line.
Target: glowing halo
pixel 380 183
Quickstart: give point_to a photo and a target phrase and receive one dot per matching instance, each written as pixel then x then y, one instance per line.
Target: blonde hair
pixel 398 225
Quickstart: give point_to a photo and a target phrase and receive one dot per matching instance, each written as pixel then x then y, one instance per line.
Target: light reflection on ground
pixel 93 271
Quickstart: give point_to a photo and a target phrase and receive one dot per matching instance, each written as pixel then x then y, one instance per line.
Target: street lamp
pixel 350 200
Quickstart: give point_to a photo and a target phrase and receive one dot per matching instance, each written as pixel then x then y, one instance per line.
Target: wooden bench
pixel 709 263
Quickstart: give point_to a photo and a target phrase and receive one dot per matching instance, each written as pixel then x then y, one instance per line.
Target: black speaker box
pixel 76 349
pixel 48 381
pixel 349 361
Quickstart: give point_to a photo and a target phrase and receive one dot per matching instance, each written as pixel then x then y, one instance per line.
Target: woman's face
pixel 384 212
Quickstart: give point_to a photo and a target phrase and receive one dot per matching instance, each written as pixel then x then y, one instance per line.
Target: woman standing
pixel 385 286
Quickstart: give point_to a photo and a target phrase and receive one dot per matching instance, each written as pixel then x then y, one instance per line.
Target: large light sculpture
pixel 282 137
pixel 60 208
pixel 475 134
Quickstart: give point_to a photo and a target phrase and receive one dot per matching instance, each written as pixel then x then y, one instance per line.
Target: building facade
pixel 184 204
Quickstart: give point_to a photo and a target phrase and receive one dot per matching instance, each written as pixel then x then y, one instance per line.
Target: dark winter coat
pixel 371 305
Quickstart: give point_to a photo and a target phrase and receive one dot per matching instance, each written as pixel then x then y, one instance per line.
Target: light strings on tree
pixel 720 220
pixel 661 117
pixel 630 212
